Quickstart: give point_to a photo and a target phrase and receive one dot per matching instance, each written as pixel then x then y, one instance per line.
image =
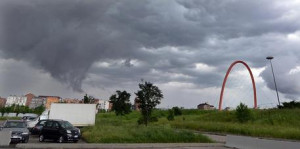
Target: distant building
pixel 110 106
pixel 50 100
pixel 29 96
pixel 227 109
pixel 17 100
pixel 136 105
pixel 205 106
pixel 37 101
pixel 102 104
pixel 2 102
pixel 69 100
pixel 96 101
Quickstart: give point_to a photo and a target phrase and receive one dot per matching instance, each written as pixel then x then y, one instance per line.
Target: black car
pixel 38 127
pixel 59 131
pixel 18 128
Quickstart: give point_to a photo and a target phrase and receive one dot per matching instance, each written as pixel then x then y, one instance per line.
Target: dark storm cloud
pixel 66 38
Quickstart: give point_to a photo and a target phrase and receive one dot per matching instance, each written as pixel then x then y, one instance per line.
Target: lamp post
pixel 270 58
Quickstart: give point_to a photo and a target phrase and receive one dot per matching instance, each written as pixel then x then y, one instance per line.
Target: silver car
pixel 18 128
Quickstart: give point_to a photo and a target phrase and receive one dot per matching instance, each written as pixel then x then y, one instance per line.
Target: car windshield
pixel 66 124
pixel 11 124
pixel 41 122
pixel 32 118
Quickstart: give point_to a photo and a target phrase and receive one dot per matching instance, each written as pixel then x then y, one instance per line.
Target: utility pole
pixel 270 58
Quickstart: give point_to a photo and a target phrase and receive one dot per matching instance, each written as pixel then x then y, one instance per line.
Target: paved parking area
pixel 35 140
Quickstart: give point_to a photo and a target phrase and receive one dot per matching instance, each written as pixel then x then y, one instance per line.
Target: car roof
pixel 15 121
pixel 57 120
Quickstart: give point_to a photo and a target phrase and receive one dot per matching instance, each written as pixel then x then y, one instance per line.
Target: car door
pixel 47 130
pixel 39 126
pixel 55 130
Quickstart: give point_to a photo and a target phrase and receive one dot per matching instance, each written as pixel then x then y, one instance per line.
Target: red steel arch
pixel 225 79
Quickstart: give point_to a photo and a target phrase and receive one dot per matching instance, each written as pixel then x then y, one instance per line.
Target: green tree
pixel 88 99
pixel 25 109
pixel 17 110
pixel 171 115
pixel 120 103
pixel 243 114
pixel 39 110
pixel 22 109
pixel 2 110
pixel 148 98
pixel 8 109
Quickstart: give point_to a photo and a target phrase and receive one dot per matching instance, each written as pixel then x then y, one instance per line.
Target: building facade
pixel 69 100
pixel 50 100
pixel 103 105
pixel 136 105
pixel 205 106
pixel 29 96
pixel 36 102
pixel 16 100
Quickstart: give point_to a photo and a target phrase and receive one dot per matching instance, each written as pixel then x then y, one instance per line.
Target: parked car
pixel 28 118
pixel 60 131
pixel 38 127
pixel 31 124
pixel 18 128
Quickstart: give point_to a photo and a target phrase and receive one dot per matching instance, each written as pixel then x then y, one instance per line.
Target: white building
pixel 17 100
pixel 103 105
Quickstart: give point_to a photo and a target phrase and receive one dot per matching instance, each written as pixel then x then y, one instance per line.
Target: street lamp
pixel 270 58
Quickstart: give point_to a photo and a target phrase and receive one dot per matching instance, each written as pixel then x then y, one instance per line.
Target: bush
pixel 171 115
pixel 289 105
pixel 243 114
pixel 177 111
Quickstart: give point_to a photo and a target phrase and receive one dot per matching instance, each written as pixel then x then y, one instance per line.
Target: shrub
pixel 171 115
pixel 177 111
pixel 243 114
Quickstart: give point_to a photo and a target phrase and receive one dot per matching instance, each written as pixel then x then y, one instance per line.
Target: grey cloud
pixel 65 38
pixel 287 82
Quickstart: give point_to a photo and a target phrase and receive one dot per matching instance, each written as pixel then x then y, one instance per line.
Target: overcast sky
pixel 69 47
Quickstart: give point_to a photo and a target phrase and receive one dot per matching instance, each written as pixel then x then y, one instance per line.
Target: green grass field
pixel 273 123
pixel 110 128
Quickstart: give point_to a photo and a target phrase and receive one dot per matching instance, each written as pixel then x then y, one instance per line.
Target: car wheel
pixel 41 138
pixel 25 140
pixel 60 139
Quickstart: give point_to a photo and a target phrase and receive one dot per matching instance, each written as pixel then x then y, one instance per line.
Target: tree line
pixel 21 109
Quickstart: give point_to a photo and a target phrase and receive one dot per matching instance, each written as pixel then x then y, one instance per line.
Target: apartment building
pixel 17 100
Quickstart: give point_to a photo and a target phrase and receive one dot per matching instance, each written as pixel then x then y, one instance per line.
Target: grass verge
pixel 272 123
pixel 2 118
pixel 124 129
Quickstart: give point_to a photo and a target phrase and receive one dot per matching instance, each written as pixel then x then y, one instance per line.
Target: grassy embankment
pixel 110 128
pixel 284 123
pixel 273 123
